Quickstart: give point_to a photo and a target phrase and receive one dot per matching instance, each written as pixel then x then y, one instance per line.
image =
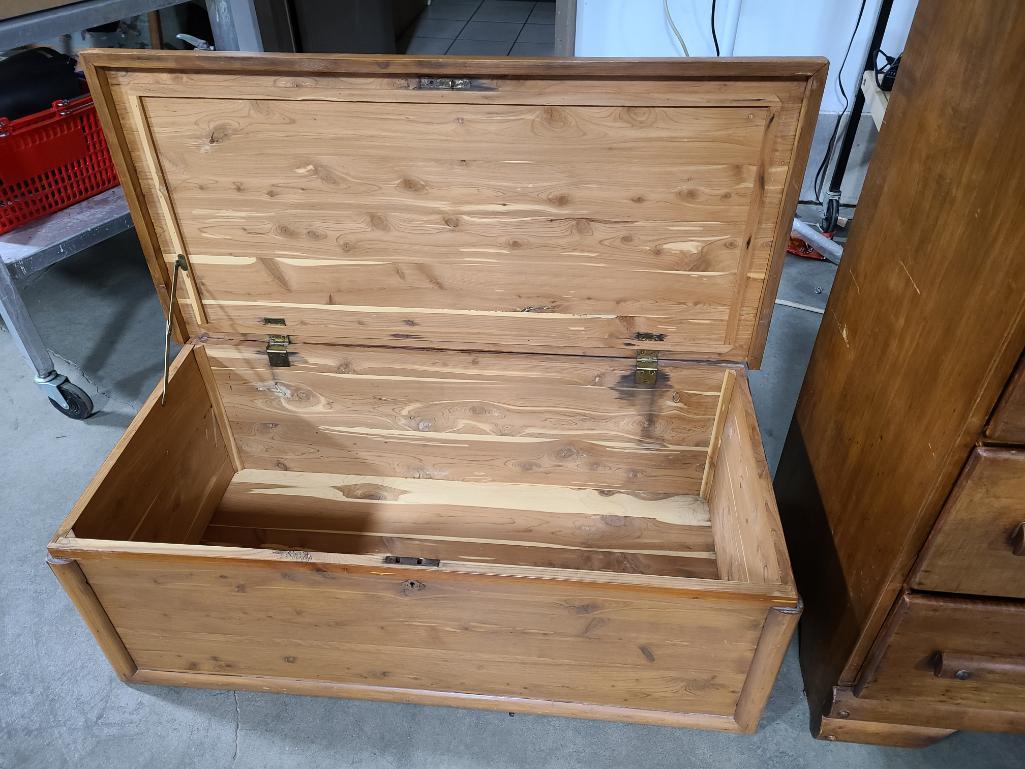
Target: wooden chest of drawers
pixel 902 484
pixel 462 416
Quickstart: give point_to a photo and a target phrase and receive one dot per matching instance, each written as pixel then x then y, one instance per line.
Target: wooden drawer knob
pixel 1018 540
pixel 966 667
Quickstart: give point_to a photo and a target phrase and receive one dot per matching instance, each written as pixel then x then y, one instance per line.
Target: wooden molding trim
pixel 791 192
pixel 754 68
pixel 915 713
pixel 740 592
pixel 780 624
pixel 73 580
pixel 876 733
pixel 421 697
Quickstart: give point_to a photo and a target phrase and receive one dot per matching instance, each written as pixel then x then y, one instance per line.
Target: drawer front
pixel 1007 425
pixel 951 651
pixel 977 546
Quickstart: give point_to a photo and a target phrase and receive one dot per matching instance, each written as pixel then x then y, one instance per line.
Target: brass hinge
pixel 277 351
pixel 646 367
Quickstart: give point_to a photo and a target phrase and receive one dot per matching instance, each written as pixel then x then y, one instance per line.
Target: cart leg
pixel 66 397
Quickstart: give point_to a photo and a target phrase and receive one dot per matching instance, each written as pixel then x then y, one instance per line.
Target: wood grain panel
pixel 406 240
pixel 164 478
pixel 469 417
pixel 466 549
pixel 923 628
pixel 748 533
pixel 553 162
pixel 477 405
pixel 492 329
pixel 500 523
pixel 513 638
pixel 402 287
pixel 514 160
pixel 481 174
pixel 1007 425
pixel 971 548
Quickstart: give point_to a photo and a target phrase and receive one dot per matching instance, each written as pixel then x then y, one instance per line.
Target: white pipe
pixel 731 22
pixel 815 238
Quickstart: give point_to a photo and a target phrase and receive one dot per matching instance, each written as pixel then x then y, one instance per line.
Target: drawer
pixel 950 652
pixel 1007 425
pixel 977 544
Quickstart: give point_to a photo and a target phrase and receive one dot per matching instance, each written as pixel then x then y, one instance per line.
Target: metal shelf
pixel 34 247
pixel 40 244
pixel 37 245
pixel 46 25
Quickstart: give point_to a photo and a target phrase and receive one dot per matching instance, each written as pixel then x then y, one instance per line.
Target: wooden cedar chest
pixel 462 415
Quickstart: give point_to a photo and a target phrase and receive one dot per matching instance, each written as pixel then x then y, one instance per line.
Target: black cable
pixel 714 38
pixel 820 174
pixel 881 72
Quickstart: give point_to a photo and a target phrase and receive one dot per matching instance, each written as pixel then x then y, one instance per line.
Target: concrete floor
pixel 61 706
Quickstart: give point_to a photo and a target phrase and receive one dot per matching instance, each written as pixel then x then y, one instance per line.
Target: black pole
pixel 832 211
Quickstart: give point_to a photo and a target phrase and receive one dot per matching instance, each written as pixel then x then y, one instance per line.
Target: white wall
pixel 766 28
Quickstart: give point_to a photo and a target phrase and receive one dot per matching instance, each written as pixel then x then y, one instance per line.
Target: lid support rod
pixel 179 266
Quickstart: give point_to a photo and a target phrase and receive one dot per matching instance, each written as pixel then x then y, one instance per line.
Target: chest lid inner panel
pixel 541 206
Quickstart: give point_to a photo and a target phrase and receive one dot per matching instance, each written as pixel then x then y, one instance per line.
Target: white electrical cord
pixel 672 25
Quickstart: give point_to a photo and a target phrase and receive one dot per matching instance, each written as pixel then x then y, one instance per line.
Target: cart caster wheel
pixel 80 405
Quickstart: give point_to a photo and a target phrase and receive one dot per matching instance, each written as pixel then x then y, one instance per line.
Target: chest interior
pixel 516 311
pixel 486 458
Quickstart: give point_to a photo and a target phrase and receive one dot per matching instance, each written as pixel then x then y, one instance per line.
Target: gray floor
pixel 61 706
pixel 486 28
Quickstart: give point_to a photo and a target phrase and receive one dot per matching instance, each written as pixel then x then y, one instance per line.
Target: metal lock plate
pixel 428 83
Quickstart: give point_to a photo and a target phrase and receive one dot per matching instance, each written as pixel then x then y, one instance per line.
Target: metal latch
pixel 405 560
pixel 444 83
pixel 428 83
pixel 277 351
pixel 646 367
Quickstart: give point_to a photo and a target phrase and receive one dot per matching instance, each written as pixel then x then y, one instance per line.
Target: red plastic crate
pixel 51 160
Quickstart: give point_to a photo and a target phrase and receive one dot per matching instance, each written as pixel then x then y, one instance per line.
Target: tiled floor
pixel 486 27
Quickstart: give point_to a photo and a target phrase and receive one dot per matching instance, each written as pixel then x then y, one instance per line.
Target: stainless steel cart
pixel 36 246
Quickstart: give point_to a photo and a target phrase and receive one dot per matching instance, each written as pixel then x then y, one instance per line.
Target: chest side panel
pixel 588 214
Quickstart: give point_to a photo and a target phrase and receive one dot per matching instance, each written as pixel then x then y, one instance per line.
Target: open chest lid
pixel 569 206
